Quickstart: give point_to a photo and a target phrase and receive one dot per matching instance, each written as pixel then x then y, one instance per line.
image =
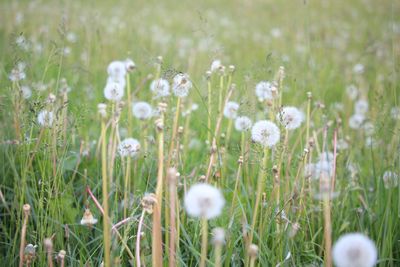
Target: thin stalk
pixel 209 111
pixel 106 223
pixel 26 209
pixel 218 250
pixel 126 185
pixel 172 217
pixel 138 235
pixel 204 242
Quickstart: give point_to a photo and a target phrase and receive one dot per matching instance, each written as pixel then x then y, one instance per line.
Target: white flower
pixel 204 200
pixel 160 87
pixel 116 70
pixel 358 68
pixel 129 147
pixel 390 179
pixel 181 85
pixel 129 64
pixel 216 65
pixel 88 218
pixel 230 110
pixel 361 107
pixel 45 118
pixel 264 91
pixel 113 91
pixel 395 113
pixel 266 133
pixel 26 92
pixel 290 117
pixel 242 123
pixel 352 91
pixel 354 250
pixel 356 121
pixel 142 110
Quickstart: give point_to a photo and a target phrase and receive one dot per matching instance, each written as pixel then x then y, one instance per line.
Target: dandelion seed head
pixel 290 117
pixel 26 92
pixel 129 65
pixel 242 123
pixel 129 147
pixel 356 121
pixel 361 107
pixel 230 110
pixel 265 133
pixel 181 85
pixel 45 118
pixel 88 218
pixel 354 250
pixel 116 70
pixel 264 91
pixel 352 91
pixel 218 235
pixel 160 88
pixel 216 65
pixel 113 91
pixel 142 110
pixel 390 179
pixel 204 200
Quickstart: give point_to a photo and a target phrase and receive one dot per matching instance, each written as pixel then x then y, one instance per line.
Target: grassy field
pixel 332 169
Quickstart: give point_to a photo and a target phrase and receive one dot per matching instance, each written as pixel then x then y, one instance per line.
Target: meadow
pixel 200 133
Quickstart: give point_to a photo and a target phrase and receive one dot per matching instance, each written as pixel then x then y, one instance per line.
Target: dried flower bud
pixel 148 202
pixel 253 251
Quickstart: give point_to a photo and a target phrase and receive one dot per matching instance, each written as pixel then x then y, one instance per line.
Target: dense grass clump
pixel 209 133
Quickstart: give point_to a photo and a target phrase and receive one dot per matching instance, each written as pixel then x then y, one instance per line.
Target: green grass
pixel 319 43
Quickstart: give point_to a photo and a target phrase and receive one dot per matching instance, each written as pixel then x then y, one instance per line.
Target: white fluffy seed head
pixel 354 250
pixel 113 91
pixel 230 110
pixel 264 91
pixel 181 85
pixel 216 65
pixel 204 200
pixel 352 91
pixel 356 121
pixel 218 235
pixel 290 117
pixel 265 133
pixel 242 123
pixel 26 92
pixel 129 147
pixel 390 179
pixel 160 88
pixel 45 118
pixel 129 65
pixel 361 107
pixel 116 70
pixel 142 110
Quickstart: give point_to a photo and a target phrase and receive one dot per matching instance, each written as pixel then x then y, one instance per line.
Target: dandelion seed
pixel 266 133
pixel 231 109
pixel 160 88
pixel 242 123
pixel 204 200
pixel 354 250
pixel 113 91
pixel 361 107
pixel 390 179
pixel 129 147
pixel 264 91
pixel 45 118
pixel 356 121
pixel 88 218
pixel 290 117
pixel 142 110
pixel 181 85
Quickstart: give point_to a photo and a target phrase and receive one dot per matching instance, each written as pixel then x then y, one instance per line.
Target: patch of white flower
pixel 181 85
pixel 290 117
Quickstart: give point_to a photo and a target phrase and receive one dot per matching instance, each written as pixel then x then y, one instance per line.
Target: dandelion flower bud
pixel 142 110
pixel 113 91
pixel 88 218
pixel 265 133
pixel 354 250
pixel 61 254
pixel 230 110
pixel 129 147
pixel 102 109
pixel 160 88
pixel 181 85
pixel 148 201
pixel 204 200
pixel 290 117
pixel 159 124
pixel 29 253
pixel 218 235
pixel 129 65
pixel 208 74
pixel 116 70
pixel 45 118
pixel 242 123
pixel 264 91
pixel 253 251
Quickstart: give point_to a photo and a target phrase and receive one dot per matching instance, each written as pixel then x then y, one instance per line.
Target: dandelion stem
pixel 26 209
pixel 204 242
pixel 138 236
